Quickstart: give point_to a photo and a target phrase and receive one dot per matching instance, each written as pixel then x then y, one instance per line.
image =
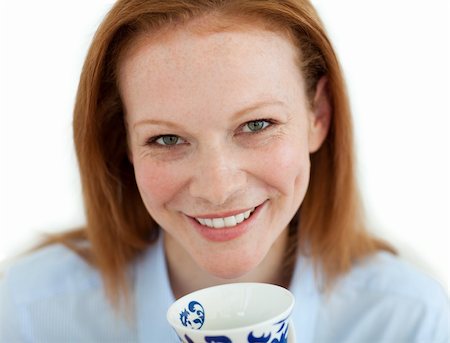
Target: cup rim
pixel 284 314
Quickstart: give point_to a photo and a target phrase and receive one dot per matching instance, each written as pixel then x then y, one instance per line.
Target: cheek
pixel 157 184
pixel 286 167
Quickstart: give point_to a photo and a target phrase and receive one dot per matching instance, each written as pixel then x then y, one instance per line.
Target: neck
pixel 187 277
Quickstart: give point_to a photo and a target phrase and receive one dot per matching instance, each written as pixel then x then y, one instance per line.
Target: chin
pixel 232 267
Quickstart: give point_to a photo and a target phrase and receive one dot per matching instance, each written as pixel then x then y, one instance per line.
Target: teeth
pixel 218 223
pixel 240 218
pixel 231 221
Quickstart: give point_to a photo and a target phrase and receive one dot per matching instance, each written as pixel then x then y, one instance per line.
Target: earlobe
pixel 320 115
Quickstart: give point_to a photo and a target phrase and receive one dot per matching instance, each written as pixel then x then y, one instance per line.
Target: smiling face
pixel 220 133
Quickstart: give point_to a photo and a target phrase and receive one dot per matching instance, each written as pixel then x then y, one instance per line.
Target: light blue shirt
pixel 53 296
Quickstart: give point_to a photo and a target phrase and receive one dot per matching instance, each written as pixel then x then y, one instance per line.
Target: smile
pixel 219 223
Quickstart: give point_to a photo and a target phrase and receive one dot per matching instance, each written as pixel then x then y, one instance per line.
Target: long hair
pixel 329 225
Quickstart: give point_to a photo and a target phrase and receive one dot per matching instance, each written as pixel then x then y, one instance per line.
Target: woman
pixel 214 143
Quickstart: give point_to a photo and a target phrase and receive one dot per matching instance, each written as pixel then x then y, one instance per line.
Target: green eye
pixel 168 140
pixel 256 125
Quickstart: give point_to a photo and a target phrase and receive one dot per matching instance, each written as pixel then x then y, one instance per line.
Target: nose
pixel 218 175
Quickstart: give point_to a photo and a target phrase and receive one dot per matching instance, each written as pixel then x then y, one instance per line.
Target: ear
pixel 320 116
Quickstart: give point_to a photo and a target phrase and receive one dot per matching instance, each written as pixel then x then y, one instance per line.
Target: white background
pixel 395 55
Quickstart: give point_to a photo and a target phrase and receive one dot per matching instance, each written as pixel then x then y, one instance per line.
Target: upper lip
pixel 222 214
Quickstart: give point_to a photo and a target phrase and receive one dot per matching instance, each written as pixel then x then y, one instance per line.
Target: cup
pixel 237 312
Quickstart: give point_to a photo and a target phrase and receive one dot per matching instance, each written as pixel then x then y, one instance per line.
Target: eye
pixel 256 125
pixel 166 141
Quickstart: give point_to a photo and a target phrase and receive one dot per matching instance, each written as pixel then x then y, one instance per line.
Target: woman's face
pixel 220 133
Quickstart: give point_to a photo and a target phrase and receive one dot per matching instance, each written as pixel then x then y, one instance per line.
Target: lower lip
pixel 227 233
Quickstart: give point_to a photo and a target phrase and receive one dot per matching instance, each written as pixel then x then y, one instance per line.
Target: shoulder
pixel 384 273
pixel 54 295
pixel 49 271
pixel 385 298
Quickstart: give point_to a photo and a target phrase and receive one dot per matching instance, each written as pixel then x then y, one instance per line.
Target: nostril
pixel 214 189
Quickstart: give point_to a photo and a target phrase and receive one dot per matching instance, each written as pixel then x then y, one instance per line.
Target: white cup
pixel 237 312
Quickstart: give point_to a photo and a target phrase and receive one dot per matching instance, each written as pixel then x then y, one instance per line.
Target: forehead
pixel 192 62
pixel 202 26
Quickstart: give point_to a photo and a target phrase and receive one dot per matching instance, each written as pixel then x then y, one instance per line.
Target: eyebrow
pixel 240 113
pixel 258 105
pixel 156 122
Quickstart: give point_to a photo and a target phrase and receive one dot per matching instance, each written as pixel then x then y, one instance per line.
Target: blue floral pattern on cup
pixel 194 316
pixel 279 335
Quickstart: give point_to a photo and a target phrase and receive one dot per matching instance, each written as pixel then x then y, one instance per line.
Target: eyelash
pixel 269 122
pixel 152 141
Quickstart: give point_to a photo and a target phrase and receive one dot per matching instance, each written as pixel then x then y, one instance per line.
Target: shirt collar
pixel 305 286
pixel 153 296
